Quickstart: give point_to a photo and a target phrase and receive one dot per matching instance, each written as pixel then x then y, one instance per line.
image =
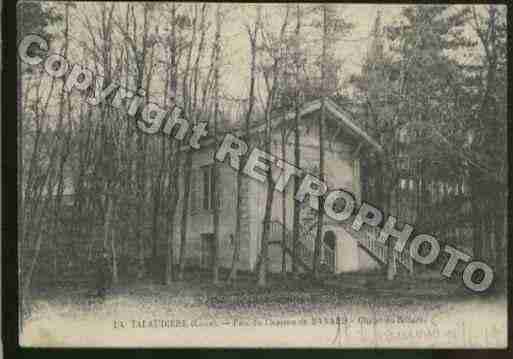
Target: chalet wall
pixel 342 170
pixel 200 221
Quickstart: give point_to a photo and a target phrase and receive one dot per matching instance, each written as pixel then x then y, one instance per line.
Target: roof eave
pixel 334 109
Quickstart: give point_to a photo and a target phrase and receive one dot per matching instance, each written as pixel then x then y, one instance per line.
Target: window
pixel 402 183
pixel 202 189
pixel 207 192
pixel 403 135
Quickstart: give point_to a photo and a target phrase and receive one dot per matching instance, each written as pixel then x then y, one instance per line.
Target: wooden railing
pixel 370 241
pixel 366 238
pixel 303 252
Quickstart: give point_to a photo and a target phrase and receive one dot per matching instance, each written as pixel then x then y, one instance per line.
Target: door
pixel 207 250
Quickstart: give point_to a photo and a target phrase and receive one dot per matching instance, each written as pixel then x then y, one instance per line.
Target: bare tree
pixel 297 144
pixel 322 119
pixel 215 169
pixel 191 85
pixel 253 39
pixel 43 181
pixel 274 49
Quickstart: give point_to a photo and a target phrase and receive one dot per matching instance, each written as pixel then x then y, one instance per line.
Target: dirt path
pixel 197 314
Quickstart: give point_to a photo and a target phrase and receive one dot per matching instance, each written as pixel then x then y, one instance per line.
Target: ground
pixel 346 311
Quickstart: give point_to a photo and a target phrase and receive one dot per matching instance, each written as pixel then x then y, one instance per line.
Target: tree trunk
pixel 297 183
pixel 388 195
pixel 477 245
pixel 39 229
pixel 108 221
pixel 493 238
pixel 215 169
pixel 170 258
pixel 170 237
pixel 115 275
pixel 238 234
pixel 320 213
pixel 215 264
pixel 139 212
pixel 262 273
pixel 185 214
pixel 172 194
pixel 172 175
pixel 155 230
pixel 284 211
pixel 191 109
pixel 297 150
pixel 237 238
pixel 503 259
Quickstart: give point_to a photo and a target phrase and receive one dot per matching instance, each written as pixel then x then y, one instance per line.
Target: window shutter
pixel 220 187
pixel 198 188
pixel 194 191
pixel 215 197
pixel 205 188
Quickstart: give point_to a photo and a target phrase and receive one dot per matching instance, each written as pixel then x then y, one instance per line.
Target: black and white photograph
pixel 262 175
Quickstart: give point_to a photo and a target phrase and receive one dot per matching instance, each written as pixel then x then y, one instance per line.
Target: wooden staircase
pixel 366 238
pixel 304 254
pixel 368 241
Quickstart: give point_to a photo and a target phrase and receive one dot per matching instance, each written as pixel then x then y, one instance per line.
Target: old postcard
pixel 262 175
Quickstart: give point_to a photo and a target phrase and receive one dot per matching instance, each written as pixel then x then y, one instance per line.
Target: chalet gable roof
pixel 337 113
pixel 340 115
